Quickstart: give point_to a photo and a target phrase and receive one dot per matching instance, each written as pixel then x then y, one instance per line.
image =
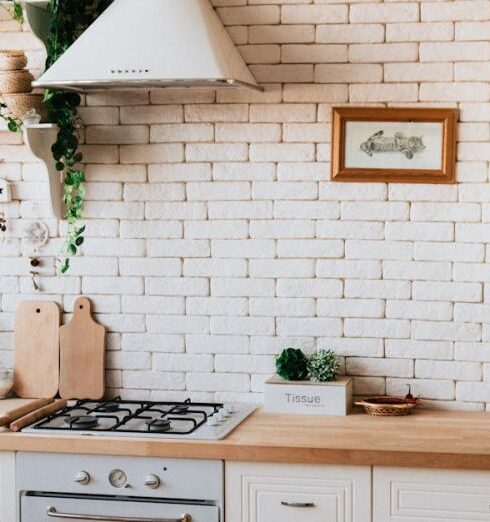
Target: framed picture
pixel 394 145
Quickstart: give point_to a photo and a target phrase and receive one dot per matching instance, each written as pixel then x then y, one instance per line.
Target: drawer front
pixel 405 495
pixel 292 493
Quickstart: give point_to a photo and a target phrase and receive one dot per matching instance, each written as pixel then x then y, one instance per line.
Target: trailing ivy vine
pixel 68 19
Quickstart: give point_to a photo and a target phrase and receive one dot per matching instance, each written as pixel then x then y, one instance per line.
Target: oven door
pixel 40 508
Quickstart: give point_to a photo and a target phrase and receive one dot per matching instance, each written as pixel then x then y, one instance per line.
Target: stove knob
pixel 152 482
pixel 212 421
pixel 82 478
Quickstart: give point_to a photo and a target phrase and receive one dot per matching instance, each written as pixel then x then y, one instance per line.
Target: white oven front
pixel 51 508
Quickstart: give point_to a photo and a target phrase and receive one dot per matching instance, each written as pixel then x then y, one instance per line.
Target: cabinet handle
pixel 51 512
pixel 297 504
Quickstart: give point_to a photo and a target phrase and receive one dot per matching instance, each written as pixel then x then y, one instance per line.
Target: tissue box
pixel 308 397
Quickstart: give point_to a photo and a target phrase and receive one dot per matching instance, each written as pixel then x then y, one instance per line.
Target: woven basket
pixel 387 406
pixel 12 60
pixel 15 82
pixel 19 104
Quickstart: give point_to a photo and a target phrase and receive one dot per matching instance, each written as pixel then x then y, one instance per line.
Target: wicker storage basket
pixel 19 104
pixel 12 60
pixel 387 406
pixel 15 82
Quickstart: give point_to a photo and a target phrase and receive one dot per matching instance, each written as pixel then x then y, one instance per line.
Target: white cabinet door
pixel 8 500
pixel 423 495
pixel 297 493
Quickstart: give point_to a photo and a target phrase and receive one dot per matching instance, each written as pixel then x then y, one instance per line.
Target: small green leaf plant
pixel 13 124
pixel 323 366
pixel 292 364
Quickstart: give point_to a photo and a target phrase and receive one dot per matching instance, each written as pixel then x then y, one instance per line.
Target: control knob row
pixel 152 481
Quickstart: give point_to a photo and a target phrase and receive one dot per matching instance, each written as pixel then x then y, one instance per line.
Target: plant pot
pixel 19 104
pixel 308 397
pixel 16 82
pixel 12 60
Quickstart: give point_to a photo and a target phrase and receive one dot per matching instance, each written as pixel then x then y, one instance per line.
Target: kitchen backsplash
pixel 215 239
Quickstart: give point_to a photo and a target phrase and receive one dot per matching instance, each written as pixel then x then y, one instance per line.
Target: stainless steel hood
pixel 148 44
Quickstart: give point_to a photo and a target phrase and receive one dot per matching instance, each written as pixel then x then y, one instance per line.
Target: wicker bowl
pixel 12 60
pixel 15 82
pixel 387 406
pixel 19 104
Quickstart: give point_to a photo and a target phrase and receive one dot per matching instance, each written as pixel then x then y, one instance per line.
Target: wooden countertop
pixel 434 439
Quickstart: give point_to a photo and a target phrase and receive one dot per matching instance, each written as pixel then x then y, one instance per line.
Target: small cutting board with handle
pixel 36 357
pixel 82 347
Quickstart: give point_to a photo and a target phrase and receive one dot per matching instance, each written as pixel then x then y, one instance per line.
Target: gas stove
pixel 163 420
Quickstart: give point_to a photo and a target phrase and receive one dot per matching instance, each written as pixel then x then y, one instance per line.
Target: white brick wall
pixel 215 239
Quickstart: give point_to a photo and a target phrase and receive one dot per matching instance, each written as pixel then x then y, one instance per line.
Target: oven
pixel 98 488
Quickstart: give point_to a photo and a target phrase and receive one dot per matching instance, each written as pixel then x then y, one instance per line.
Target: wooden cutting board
pixel 82 346
pixel 12 409
pixel 36 357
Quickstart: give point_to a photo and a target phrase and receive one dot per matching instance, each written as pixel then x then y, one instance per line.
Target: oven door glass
pixel 56 509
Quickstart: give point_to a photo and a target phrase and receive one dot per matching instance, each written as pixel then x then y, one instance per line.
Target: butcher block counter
pixel 430 439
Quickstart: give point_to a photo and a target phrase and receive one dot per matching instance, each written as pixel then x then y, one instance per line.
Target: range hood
pixel 148 44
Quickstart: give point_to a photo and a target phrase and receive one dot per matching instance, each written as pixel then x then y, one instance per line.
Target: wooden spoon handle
pixel 23 410
pixel 38 414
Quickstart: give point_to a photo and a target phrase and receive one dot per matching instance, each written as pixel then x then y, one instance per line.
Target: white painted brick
pixel 449 92
pixel 471 272
pixel 217 382
pixel 350 230
pixel 244 363
pixel 376 211
pixel 216 113
pixel 352 33
pixel 305 133
pixel 175 286
pixel 309 288
pixel 153 380
pixel 473 391
pixel 240 210
pixel 179 172
pixel 345 346
pixel 301 53
pixel 177 324
pixel 394 328
pixel 246 287
pixel 465 292
pixel 150 267
pixel 441 211
pixel 182 362
pixel 244 171
pixel 260 34
pixel 313 14
pixel 477 352
pixel 420 231
pixel 306 210
pixel 410 349
pixel 152 114
pixel 175 210
pixel 284 190
pixel 240 132
pixel 218 191
pixel 372 308
pixel 472 30
pixel 419 32
pixel 347 73
pixel 387 92
pixel 216 306
pixel 381 53
pixel 151 229
pixel 215 267
pixel 175 133
pixel 379 367
pixel 409 72
pixel 461 371
pixel 445 331
pixel 457 10
pixel 216 229
pixel 243 248
pixel 348 269
pixel 317 327
pixel 426 310
pixel 281 268
pixel 378 250
pixel 377 289
pixel 282 152
pixel 464 252
pixel 416 270
pixel 353 191
pixel 178 248
pixel 216 152
pixel 316 248
pixel 282 229
pixel 217 344
pixel 333 93
pixel 243 325
pixel 112 285
pixel 282 307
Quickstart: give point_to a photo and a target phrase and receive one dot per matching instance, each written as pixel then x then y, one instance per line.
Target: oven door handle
pixel 51 512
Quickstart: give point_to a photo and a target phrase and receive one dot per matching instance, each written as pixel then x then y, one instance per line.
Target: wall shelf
pixel 39 139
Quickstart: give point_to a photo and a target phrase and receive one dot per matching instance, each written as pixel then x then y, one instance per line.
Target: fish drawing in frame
pixel 408 146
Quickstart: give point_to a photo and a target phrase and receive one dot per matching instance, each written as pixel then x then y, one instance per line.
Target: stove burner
pixel 158 425
pixel 108 407
pixel 180 409
pixel 81 421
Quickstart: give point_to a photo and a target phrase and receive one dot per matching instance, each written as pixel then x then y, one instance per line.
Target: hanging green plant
pixel 68 19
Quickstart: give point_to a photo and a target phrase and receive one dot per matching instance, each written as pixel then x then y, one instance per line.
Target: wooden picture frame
pixel 377 144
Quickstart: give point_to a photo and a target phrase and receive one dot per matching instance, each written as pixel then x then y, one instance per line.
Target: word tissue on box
pixel 308 397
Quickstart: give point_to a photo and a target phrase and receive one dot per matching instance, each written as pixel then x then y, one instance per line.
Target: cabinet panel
pixel 293 493
pixel 411 495
pixel 8 500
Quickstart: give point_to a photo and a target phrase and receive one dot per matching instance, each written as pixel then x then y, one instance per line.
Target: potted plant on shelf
pixel 308 384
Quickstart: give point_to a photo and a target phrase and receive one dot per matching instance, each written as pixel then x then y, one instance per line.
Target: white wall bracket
pixel 39 138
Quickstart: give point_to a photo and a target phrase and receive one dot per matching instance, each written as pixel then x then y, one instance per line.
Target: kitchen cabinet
pixel 423 495
pixel 260 492
pixel 8 498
